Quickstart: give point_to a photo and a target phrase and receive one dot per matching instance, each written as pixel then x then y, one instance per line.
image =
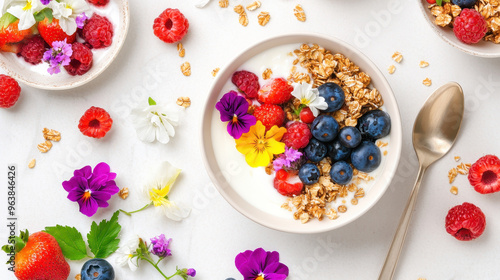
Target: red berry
pixel 32 51
pixel 52 32
pixel 297 135
pixel 286 188
pixel 99 3
pixel 470 26
pixel 247 82
pixel 269 115
pixel 170 26
pixel 12 34
pixel 484 174
pixel 306 115
pixel 81 60
pixel 96 122
pixel 278 91
pixel 98 32
pixel 431 1
pixel 9 91
pixel 465 222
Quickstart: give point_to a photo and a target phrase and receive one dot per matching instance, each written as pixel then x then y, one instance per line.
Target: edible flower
pixel 155 122
pixel 159 246
pixel 125 254
pixel 24 10
pixel 260 146
pixel 45 2
pixel 59 55
pixel 234 110
pixel 66 11
pixel 156 193
pixel 261 265
pixel 80 20
pixel 286 159
pixel 309 97
pixel 91 189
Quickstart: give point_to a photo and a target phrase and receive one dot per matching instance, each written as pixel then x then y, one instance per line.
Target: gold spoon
pixel 434 133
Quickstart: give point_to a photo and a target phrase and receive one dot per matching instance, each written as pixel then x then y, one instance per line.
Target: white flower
pixel 24 10
pixel 309 96
pixel 158 187
pixel 202 3
pixel 126 254
pixel 155 122
pixel 66 12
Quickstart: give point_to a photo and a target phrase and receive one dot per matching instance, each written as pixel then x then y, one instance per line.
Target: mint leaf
pixel 103 238
pixel 45 13
pixel 151 101
pixel 70 240
pixel 6 20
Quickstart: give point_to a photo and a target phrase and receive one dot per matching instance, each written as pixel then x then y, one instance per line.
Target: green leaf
pixel 45 13
pixel 70 240
pixel 6 20
pixel 103 238
pixel 8 249
pixel 151 101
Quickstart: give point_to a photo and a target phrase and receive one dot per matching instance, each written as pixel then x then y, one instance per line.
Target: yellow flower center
pixel 260 277
pixel 130 256
pixel 28 6
pixel 87 194
pixel 159 196
pixel 304 101
pixel 235 119
pixel 261 145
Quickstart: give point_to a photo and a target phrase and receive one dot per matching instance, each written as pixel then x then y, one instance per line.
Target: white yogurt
pixel 253 184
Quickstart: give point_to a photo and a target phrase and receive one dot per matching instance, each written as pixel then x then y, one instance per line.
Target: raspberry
pixel 81 60
pixel 284 187
pixel 98 3
pixel 465 222
pixel 33 50
pixel 484 174
pixel 269 115
pixel 9 91
pixel 247 82
pixel 95 122
pixel 306 115
pixel 297 135
pixel 98 32
pixel 470 26
pixel 170 26
pixel 278 91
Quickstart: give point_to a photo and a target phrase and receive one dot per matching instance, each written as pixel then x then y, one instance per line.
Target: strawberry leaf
pixel 45 13
pixel 103 238
pixel 6 20
pixel 151 101
pixel 70 240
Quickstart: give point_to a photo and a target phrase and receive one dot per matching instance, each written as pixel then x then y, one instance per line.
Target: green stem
pixel 130 213
pixel 157 268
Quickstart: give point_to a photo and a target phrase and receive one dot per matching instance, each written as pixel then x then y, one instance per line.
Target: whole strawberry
pixel 39 257
pixel 269 115
pixel 9 91
pixel 465 222
pixel 278 91
pixel 52 31
pixel 484 174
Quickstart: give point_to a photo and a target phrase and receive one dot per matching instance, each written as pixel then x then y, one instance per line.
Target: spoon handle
pixel 399 238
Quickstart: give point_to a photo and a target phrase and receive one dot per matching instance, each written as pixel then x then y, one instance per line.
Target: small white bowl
pixel 230 177
pixel 483 48
pixel 37 76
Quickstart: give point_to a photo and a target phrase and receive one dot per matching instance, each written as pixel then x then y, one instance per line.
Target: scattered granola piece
pixel 239 9
pixel 184 102
pixel 427 82
pixel 45 146
pixel 385 153
pixel 181 50
pixel 215 71
pixel 243 19
pixel 264 18
pixel 443 20
pixel 32 163
pixel 398 57
pixel 123 193
pixel 354 201
pixel 51 134
pixel 423 64
pixel 391 69
pixel 299 13
pixel 269 169
pixel 186 69
pixel 420 278
pixel 454 190
pixel 457 158
pixel 223 3
pixel 267 74
pixel 452 174
pixel 254 6
pixel 78 277
pixel 342 209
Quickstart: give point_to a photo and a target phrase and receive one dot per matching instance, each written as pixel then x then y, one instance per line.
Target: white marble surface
pixel 215 233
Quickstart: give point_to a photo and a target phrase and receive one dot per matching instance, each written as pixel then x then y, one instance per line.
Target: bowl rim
pixel 469 49
pixel 119 41
pixel 206 144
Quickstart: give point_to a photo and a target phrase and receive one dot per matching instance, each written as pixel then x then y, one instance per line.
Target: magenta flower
pixel 286 159
pixel 191 272
pixel 91 189
pixel 45 2
pixel 234 110
pixel 160 246
pixel 59 55
pixel 261 265
pixel 80 20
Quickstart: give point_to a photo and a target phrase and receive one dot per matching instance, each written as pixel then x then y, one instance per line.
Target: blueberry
pixel 97 269
pixel 230 278
pixel 315 150
pixel 366 157
pixel 464 3
pixel 338 151
pixel 341 172
pixel 350 137
pixel 333 95
pixel 309 174
pixel 374 124
pixel 324 128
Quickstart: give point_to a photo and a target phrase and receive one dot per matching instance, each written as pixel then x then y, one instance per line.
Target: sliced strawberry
pixel 10 34
pixel 282 183
pixel 269 115
pixel 484 174
pixel 278 91
pixel 52 32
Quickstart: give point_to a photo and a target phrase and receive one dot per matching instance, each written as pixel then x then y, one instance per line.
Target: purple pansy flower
pixel 234 110
pixel 80 20
pixel 191 272
pixel 45 2
pixel 286 159
pixel 91 189
pixel 59 55
pixel 160 246
pixel 261 265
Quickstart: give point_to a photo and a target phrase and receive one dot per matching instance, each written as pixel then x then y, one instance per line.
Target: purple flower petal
pixel 85 172
pixel 88 207
pixel 80 20
pixel 242 125
pixel 251 264
pixel 45 2
pixel 240 105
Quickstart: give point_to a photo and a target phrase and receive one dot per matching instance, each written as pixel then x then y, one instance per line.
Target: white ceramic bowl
pixel 230 176
pixel 483 48
pixel 37 76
